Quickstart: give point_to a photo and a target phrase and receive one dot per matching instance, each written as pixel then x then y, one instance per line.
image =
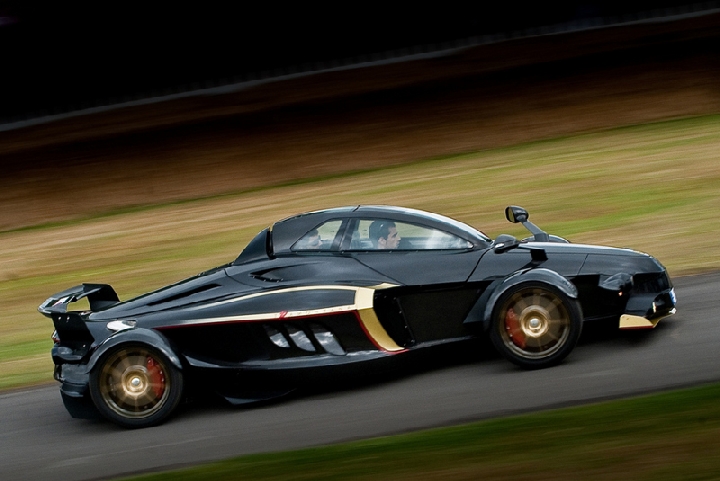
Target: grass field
pixel 668 436
pixel 653 187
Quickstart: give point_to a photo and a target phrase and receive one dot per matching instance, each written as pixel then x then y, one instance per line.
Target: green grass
pixel 667 436
pixel 647 187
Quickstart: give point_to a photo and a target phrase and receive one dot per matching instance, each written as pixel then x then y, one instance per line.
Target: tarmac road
pixel 39 440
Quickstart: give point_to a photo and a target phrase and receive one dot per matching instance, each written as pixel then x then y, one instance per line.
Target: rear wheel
pixel 535 325
pixel 135 386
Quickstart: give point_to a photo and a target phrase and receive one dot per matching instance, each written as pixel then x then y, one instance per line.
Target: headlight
pixel 618 282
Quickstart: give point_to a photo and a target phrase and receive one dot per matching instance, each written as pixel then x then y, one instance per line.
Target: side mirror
pixel 516 214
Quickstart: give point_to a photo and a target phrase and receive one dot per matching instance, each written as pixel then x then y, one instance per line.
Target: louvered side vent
pixel 315 338
pixel 183 295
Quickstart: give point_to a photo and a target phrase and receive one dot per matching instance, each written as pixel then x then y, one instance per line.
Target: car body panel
pixel 422 268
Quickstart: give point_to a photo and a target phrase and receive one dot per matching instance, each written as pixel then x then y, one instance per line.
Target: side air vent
pixel 300 339
pixel 267 275
pixel 327 340
pixel 185 294
pixel 316 338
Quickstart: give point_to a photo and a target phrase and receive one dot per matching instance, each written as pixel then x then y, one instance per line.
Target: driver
pixel 383 234
pixel 311 240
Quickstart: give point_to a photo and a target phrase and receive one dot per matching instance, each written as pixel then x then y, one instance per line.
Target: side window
pixel 383 234
pixel 320 238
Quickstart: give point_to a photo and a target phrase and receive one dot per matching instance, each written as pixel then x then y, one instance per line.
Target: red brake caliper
pixel 514 330
pixel 156 377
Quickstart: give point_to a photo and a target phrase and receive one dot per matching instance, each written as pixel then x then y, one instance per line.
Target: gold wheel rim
pixel 536 323
pixel 133 383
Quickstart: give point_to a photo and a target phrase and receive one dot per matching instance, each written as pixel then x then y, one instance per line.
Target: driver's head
pixel 383 234
pixel 313 239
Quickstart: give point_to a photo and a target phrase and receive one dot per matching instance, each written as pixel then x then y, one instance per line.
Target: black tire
pixel 535 325
pixel 135 386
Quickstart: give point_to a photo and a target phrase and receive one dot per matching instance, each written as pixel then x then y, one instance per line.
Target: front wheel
pixel 135 386
pixel 535 325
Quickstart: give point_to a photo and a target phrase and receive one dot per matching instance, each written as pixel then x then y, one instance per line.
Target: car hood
pixel 602 259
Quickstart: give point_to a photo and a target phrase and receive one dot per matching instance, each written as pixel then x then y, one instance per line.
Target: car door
pixel 431 267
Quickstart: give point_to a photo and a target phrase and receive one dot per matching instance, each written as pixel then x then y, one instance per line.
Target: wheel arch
pixel 483 310
pixel 148 337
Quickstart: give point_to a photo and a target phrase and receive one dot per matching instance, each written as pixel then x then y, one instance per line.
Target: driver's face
pixel 314 240
pixel 392 240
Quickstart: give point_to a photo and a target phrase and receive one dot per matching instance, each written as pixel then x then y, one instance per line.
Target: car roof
pixel 287 231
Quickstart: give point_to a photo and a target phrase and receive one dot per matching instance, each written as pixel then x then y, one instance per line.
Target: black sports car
pixel 331 290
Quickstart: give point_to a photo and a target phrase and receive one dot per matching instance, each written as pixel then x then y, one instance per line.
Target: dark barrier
pixel 64 57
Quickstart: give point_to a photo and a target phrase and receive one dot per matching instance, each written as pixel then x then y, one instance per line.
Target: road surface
pixel 40 441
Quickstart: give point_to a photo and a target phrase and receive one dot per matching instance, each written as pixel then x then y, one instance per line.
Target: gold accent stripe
pixel 363 302
pixel 371 325
pixel 364 299
pixel 296 289
pixel 274 316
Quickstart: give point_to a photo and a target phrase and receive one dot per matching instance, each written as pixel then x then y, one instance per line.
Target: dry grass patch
pixel 666 436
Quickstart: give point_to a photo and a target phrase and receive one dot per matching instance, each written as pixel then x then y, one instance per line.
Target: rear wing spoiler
pixel 99 295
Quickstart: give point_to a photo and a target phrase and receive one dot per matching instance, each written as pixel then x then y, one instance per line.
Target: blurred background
pixel 59 57
pixel 154 104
